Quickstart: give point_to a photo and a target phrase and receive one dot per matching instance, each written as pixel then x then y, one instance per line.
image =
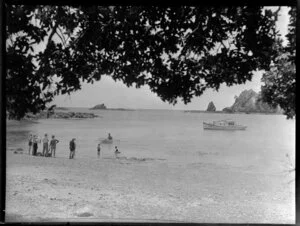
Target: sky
pixel 118 95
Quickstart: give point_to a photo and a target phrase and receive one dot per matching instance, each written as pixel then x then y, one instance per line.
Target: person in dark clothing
pixel 35 142
pixel 109 137
pixel 98 149
pixel 72 148
pixel 53 143
pixel 30 143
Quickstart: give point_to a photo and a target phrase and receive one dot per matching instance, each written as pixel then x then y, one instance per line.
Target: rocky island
pixel 99 107
pixel 103 107
pixel 211 107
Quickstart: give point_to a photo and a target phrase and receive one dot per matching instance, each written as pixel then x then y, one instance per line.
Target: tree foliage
pixel 279 87
pixel 178 52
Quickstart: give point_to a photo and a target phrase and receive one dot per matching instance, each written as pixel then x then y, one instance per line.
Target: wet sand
pixel 59 189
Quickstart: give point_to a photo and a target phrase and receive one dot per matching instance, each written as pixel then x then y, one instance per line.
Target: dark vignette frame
pixel 2 116
pixel 115 2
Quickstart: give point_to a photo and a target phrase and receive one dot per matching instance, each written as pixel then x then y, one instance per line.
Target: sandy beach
pixel 59 189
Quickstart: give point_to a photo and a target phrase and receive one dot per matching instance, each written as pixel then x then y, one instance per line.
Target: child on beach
pixel 45 145
pixel 98 149
pixel 53 143
pixel 30 139
pixel 117 151
pixel 72 148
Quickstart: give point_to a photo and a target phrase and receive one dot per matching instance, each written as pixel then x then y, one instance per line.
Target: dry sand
pixel 59 189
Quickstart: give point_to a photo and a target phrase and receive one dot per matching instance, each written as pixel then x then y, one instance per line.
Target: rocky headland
pixel 60 115
pixel 62 108
pixel 250 102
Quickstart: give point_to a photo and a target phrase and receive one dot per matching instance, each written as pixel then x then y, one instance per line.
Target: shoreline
pixel 110 190
pixel 224 112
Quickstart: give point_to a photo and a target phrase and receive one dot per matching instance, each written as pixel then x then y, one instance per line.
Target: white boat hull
pixel 212 126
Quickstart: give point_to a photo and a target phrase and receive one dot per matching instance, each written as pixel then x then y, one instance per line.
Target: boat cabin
pixel 224 123
pixel 231 123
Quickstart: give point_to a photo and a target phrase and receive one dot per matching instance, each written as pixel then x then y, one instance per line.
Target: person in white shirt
pixel 45 145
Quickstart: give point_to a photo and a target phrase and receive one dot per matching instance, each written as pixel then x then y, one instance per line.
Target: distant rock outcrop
pixel 103 107
pixel 249 102
pixel 211 107
pixel 98 106
pixel 60 115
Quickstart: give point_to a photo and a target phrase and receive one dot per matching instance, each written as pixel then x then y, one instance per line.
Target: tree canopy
pixel 178 52
pixel 279 87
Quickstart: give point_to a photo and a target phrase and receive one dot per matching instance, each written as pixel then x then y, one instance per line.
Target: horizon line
pixel 161 109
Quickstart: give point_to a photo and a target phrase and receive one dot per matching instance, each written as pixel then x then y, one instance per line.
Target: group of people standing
pixel 49 146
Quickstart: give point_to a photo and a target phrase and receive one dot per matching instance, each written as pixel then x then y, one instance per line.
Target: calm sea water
pixel 171 136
